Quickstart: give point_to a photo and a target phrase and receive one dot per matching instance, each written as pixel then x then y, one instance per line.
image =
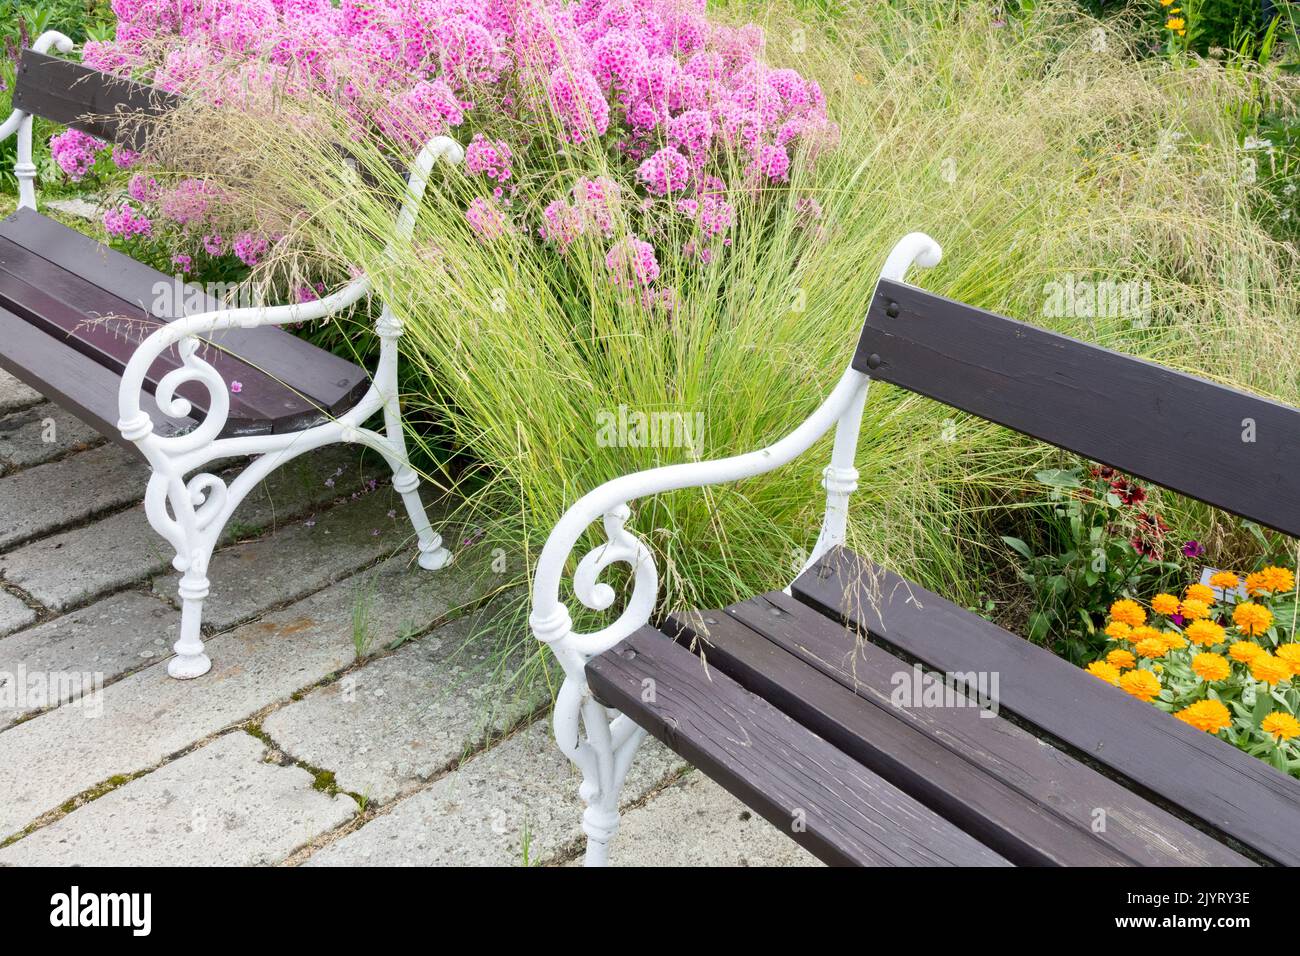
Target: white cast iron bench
pixel 1005 753
pixel 165 386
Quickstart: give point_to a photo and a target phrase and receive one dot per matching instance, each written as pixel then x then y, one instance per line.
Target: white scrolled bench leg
pixel 190 660
pixel 432 554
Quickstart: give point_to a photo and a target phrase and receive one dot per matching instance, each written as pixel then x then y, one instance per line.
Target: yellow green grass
pixel 1031 151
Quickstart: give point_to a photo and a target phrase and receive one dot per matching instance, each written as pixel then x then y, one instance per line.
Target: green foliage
pixel 1093 542
pixel 20 25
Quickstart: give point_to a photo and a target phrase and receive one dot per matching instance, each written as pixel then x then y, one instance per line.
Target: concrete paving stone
pixel 513 804
pixel 148 716
pixel 83 649
pixel 695 822
pixel 13 614
pixel 15 395
pixel 399 721
pixel 39 500
pixel 41 433
pixel 300 557
pixel 222 805
pixel 70 568
pixel 76 207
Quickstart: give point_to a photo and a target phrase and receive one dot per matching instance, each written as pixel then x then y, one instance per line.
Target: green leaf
pixel 1017 545
pixel 1059 477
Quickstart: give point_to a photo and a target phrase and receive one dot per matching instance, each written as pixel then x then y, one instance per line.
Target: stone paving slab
pixel 13 614
pixel 300 557
pixel 695 822
pixel 106 639
pixel 14 394
pixel 222 805
pixel 398 721
pixel 148 716
pixel 52 496
pixel 515 803
pixel 70 568
pixel 41 433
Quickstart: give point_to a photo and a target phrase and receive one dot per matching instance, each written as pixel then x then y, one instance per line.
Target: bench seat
pixel 1047 781
pixel 88 307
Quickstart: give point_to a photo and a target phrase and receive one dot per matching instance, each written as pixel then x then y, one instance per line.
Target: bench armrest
pixel 136 425
pixel 550 620
pixel 184 332
pixel 21 123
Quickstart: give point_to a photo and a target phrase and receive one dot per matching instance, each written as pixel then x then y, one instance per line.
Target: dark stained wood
pixel 773 764
pixel 321 378
pixel 1208 778
pixel 1059 785
pixel 109 330
pixel 69 378
pixel 71 94
pixel 1020 829
pixel 1176 430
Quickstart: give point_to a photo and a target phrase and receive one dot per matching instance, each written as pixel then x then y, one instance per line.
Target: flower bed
pixel 1223 658
pixel 682 103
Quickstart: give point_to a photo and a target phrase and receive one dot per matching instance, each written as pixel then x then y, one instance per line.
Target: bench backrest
pixel 74 95
pixel 1230 449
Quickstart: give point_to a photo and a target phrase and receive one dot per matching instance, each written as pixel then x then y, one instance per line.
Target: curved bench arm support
pixel 610 738
pixel 190 512
pixel 21 123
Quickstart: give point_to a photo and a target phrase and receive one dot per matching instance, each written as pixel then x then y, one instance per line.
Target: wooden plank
pixel 108 330
pixel 1176 430
pixel 1135 829
pixel 324 379
pixel 75 382
pixel 1206 777
pixel 68 93
pixel 780 769
pixel 1023 831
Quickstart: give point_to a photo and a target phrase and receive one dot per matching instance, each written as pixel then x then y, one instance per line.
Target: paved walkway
pixel 359 711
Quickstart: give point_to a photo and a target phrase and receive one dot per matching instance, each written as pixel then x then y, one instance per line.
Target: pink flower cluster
pixel 125 222
pixel 75 152
pixel 675 97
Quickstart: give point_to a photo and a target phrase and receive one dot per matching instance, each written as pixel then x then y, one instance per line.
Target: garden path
pixel 359 710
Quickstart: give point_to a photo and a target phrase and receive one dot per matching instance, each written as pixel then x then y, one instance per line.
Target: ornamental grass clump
pixel 1222 658
pixel 666 258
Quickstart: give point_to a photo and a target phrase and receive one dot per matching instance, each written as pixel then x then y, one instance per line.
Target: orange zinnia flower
pixel 1107 672
pixel 1143 685
pixel 1208 715
pixel 1121 659
pixel 1253 619
pixel 1128 612
pixel 1244 651
pixel 1211 667
pixel 1164 604
pixel 1204 633
pixel 1281 725
pixel 1226 580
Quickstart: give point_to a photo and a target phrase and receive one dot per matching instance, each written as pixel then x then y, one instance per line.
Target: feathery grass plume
pixel 1038 152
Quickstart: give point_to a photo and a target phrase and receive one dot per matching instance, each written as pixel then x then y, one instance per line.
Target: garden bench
pixel 180 376
pixel 842 709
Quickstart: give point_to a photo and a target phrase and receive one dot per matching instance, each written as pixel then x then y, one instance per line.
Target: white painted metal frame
pixel 190 513
pixel 598 739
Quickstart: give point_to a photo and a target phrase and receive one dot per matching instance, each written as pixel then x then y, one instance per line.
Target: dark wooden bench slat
pixel 79 384
pixel 71 94
pixel 773 764
pixel 325 379
pixel 1165 426
pixel 1051 779
pixel 1022 830
pixel 109 330
pixel 1226 788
